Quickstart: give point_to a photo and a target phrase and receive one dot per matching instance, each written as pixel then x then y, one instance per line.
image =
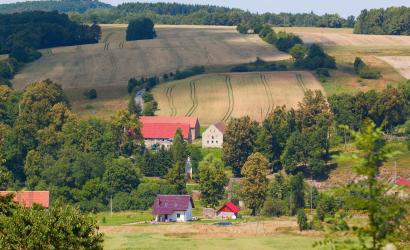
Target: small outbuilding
pixel 213 137
pixel 228 211
pixel 173 208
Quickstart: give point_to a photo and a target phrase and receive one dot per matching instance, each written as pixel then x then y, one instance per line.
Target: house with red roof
pixel 29 198
pixel 193 122
pixel 173 208
pixel 213 136
pixel 228 211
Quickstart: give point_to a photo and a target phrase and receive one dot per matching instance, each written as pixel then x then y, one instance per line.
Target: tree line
pixel 176 13
pixel 63 6
pixel 389 21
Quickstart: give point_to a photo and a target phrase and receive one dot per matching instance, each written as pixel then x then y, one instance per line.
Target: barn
pixel 173 208
pixel 228 211
pixel 213 136
pixel 192 122
pixel 162 134
pixel 29 198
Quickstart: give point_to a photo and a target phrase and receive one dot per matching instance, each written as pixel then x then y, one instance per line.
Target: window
pixel 212 142
pixel 207 141
pixel 216 141
pixel 178 216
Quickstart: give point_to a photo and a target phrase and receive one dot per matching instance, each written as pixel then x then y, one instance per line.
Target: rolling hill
pixel 114 61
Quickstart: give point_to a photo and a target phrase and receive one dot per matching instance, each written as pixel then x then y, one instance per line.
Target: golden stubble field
pixel 218 97
pixel 114 61
pixel 344 37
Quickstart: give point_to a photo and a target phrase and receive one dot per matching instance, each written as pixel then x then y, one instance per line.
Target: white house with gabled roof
pixel 213 137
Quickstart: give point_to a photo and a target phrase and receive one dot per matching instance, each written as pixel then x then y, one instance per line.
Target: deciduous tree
pixel 254 182
pixel 239 141
pixel 212 181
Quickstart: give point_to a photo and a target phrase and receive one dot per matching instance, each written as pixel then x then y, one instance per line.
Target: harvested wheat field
pixel 113 61
pixel 400 63
pixel 217 97
pixel 345 37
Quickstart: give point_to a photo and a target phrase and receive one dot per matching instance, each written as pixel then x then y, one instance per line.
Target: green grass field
pixel 159 241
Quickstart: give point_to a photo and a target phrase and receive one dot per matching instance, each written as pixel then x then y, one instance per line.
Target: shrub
pixel 326 206
pixel 240 68
pixel 322 72
pixel 90 94
pixel 302 220
pixel 140 29
pixel 358 65
pixel 189 72
pixel 285 41
pixel 316 224
pixel 368 73
pixel 274 207
pixel 242 28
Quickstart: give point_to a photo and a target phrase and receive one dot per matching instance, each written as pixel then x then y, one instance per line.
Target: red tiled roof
pixel 229 207
pixel 164 130
pixel 220 126
pixel 29 198
pixel 167 204
pixel 169 120
pixel 403 182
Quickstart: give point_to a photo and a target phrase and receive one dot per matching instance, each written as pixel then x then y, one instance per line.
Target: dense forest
pixel 21 34
pixel 64 6
pixel 175 13
pixel 390 21
pixel 40 29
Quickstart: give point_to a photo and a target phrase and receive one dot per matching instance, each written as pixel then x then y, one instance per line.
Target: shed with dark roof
pixel 173 208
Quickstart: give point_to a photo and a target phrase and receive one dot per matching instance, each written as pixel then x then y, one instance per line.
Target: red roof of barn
pixel 192 121
pixel 229 207
pixel 167 204
pixel 164 130
pixel 29 198
pixel 403 182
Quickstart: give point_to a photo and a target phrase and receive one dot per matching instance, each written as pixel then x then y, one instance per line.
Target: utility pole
pixel 111 205
pixel 395 171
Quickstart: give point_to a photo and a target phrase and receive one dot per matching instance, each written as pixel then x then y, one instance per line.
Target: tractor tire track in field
pixel 171 101
pixel 230 99
pixel 114 68
pixel 106 45
pixel 194 100
pixel 268 94
pixel 299 78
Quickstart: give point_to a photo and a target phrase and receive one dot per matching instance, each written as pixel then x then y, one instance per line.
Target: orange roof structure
pixel 29 198
pixel 164 130
pixel 192 121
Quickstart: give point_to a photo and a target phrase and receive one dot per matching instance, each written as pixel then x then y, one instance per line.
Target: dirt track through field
pixel 218 97
pixel 113 61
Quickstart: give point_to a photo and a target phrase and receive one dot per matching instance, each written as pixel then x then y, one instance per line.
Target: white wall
pixel 212 138
pixel 183 215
